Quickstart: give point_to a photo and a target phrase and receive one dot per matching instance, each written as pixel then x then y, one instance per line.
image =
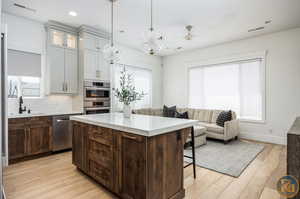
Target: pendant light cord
pixel 112 23
pixel 151 9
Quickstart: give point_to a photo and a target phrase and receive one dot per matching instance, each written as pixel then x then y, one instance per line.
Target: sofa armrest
pixel 231 129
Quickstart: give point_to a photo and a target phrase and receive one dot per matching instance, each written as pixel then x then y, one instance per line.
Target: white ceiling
pixel 214 21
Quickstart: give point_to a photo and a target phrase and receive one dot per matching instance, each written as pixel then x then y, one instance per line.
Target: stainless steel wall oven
pixel 97 97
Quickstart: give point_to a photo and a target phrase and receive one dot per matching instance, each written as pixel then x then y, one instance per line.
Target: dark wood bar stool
pixel 191 143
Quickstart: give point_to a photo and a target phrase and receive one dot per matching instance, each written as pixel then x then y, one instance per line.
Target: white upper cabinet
pixel 91 42
pixel 95 67
pixel 71 71
pixel 62 59
pixel 56 63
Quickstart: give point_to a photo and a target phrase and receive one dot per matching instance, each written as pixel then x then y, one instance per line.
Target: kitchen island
pixel 136 158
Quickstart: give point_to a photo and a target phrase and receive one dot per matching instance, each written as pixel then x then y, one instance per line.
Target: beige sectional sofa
pixel 207 119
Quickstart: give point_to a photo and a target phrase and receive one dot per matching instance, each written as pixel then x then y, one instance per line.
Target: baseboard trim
pixel 264 138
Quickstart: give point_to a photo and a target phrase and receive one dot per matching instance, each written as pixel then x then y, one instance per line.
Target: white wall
pixel 30 36
pixel 27 35
pixel 133 57
pixel 282 79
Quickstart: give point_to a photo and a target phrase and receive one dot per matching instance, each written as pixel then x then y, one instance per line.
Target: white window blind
pixel 142 80
pixel 24 74
pixel 23 63
pixel 236 86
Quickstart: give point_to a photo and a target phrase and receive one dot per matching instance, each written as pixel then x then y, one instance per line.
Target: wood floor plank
pixel 55 177
pixel 256 185
pixel 269 194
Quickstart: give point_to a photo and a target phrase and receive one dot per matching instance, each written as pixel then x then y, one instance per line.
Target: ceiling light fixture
pixel 153 40
pixel 73 13
pixel 111 53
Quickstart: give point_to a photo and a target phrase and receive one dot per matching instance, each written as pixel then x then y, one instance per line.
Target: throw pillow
pixel 169 111
pixel 223 117
pixel 184 115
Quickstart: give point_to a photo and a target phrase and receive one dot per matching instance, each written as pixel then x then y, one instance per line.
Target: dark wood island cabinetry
pixel 131 166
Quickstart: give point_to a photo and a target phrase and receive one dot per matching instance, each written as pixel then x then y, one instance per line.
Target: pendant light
pixel 111 53
pixel 153 40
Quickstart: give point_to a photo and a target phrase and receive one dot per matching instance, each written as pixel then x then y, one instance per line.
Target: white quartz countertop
pixel 40 114
pixel 144 125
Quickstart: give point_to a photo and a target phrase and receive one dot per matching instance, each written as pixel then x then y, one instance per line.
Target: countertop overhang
pixel 28 115
pixel 144 125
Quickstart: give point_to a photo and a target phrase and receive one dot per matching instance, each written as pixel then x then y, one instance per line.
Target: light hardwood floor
pixel 55 177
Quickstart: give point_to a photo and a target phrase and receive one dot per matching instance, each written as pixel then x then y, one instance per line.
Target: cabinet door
pixel 91 42
pixel 132 166
pixel 90 64
pixel 39 139
pixel 104 66
pixel 71 71
pixel 80 146
pixel 56 64
pixel 16 142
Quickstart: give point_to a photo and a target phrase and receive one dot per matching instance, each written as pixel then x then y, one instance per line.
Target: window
pixel 237 86
pixel 142 82
pixel 28 86
pixel 24 74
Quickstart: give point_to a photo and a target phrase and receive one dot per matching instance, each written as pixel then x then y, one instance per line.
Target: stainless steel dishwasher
pixel 62 135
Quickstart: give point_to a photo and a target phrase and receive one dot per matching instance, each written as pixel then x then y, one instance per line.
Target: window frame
pixel 234 59
pixel 113 98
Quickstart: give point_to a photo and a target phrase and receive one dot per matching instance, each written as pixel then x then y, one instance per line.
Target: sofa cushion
pixel 169 111
pixel 201 115
pixel 215 115
pixel 157 112
pixel 183 115
pixel 199 130
pixel 143 111
pixel 223 117
pixel 212 127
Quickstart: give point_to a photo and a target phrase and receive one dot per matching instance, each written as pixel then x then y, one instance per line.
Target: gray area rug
pixel 230 159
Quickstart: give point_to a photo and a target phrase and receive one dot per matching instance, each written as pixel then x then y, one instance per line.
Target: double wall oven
pixel 96 97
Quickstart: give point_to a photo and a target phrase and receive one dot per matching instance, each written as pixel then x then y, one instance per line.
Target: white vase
pixel 127 111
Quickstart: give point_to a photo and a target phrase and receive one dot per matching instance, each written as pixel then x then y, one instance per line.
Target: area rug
pixel 230 159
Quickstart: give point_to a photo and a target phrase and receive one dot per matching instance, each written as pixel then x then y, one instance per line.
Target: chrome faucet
pixel 21 110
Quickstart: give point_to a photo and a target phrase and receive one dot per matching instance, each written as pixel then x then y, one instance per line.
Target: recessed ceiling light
pixel 73 13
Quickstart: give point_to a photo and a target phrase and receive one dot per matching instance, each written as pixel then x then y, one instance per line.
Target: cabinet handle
pixel 130 137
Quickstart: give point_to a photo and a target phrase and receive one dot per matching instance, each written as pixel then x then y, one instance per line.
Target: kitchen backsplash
pixel 48 104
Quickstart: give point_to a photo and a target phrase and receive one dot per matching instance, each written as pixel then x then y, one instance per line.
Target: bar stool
pixel 191 143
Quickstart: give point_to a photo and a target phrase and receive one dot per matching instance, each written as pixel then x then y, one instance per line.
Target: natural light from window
pixel 236 86
pixel 142 82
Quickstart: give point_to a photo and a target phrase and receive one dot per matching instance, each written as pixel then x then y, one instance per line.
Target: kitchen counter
pixel 39 114
pixel 144 125
pixel 140 157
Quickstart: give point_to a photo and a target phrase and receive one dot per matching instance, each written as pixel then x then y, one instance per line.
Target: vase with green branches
pixel 127 92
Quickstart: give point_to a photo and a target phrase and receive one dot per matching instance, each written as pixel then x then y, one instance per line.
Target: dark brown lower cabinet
pixel 29 137
pixel 79 155
pixel 39 139
pixel 17 136
pixel 131 166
